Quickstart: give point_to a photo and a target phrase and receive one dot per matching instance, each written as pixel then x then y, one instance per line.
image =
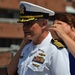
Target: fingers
pixel 56 27
pixel 53 26
pixel 58 22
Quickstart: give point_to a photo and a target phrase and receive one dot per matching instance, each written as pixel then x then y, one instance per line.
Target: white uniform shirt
pixel 44 59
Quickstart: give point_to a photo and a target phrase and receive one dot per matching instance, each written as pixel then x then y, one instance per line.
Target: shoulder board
pixel 58 44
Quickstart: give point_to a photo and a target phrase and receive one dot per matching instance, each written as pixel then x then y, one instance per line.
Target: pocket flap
pixel 36 67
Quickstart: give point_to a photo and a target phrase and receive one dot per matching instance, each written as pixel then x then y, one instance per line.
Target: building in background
pixel 11 33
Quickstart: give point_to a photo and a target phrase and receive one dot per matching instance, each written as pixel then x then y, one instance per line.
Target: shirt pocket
pixel 36 66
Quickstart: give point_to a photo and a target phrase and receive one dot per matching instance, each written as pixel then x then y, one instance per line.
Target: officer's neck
pixel 39 39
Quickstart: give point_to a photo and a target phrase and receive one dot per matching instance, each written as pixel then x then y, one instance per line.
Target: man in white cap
pixel 44 55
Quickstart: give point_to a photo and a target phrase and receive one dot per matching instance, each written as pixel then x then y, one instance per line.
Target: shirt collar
pixel 45 44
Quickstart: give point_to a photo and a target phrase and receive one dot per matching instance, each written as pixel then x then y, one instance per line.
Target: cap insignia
pixel 22 9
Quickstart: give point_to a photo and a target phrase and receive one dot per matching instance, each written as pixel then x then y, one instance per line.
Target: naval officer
pixel 43 55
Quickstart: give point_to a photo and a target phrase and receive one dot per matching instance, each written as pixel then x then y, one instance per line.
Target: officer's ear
pixel 44 22
pixel 44 27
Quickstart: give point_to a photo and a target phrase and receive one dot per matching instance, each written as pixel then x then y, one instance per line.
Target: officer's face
pixel 26 28
pixel 32 28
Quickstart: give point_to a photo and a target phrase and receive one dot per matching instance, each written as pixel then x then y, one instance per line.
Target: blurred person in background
pixel 44 55
pixel 64 26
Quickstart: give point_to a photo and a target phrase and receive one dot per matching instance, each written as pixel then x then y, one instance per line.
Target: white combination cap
pixel 30 11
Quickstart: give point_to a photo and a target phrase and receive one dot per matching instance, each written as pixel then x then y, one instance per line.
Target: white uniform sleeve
pixel 60 62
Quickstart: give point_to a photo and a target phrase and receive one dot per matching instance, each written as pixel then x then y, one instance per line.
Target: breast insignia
pixel 41 54
pixel 58 44
pixel 38 59
pixel 36 65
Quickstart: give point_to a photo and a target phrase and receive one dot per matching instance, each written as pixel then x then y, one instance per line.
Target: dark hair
pixel 67 18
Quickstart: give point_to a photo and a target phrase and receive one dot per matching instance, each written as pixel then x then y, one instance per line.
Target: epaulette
pixel 58 44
